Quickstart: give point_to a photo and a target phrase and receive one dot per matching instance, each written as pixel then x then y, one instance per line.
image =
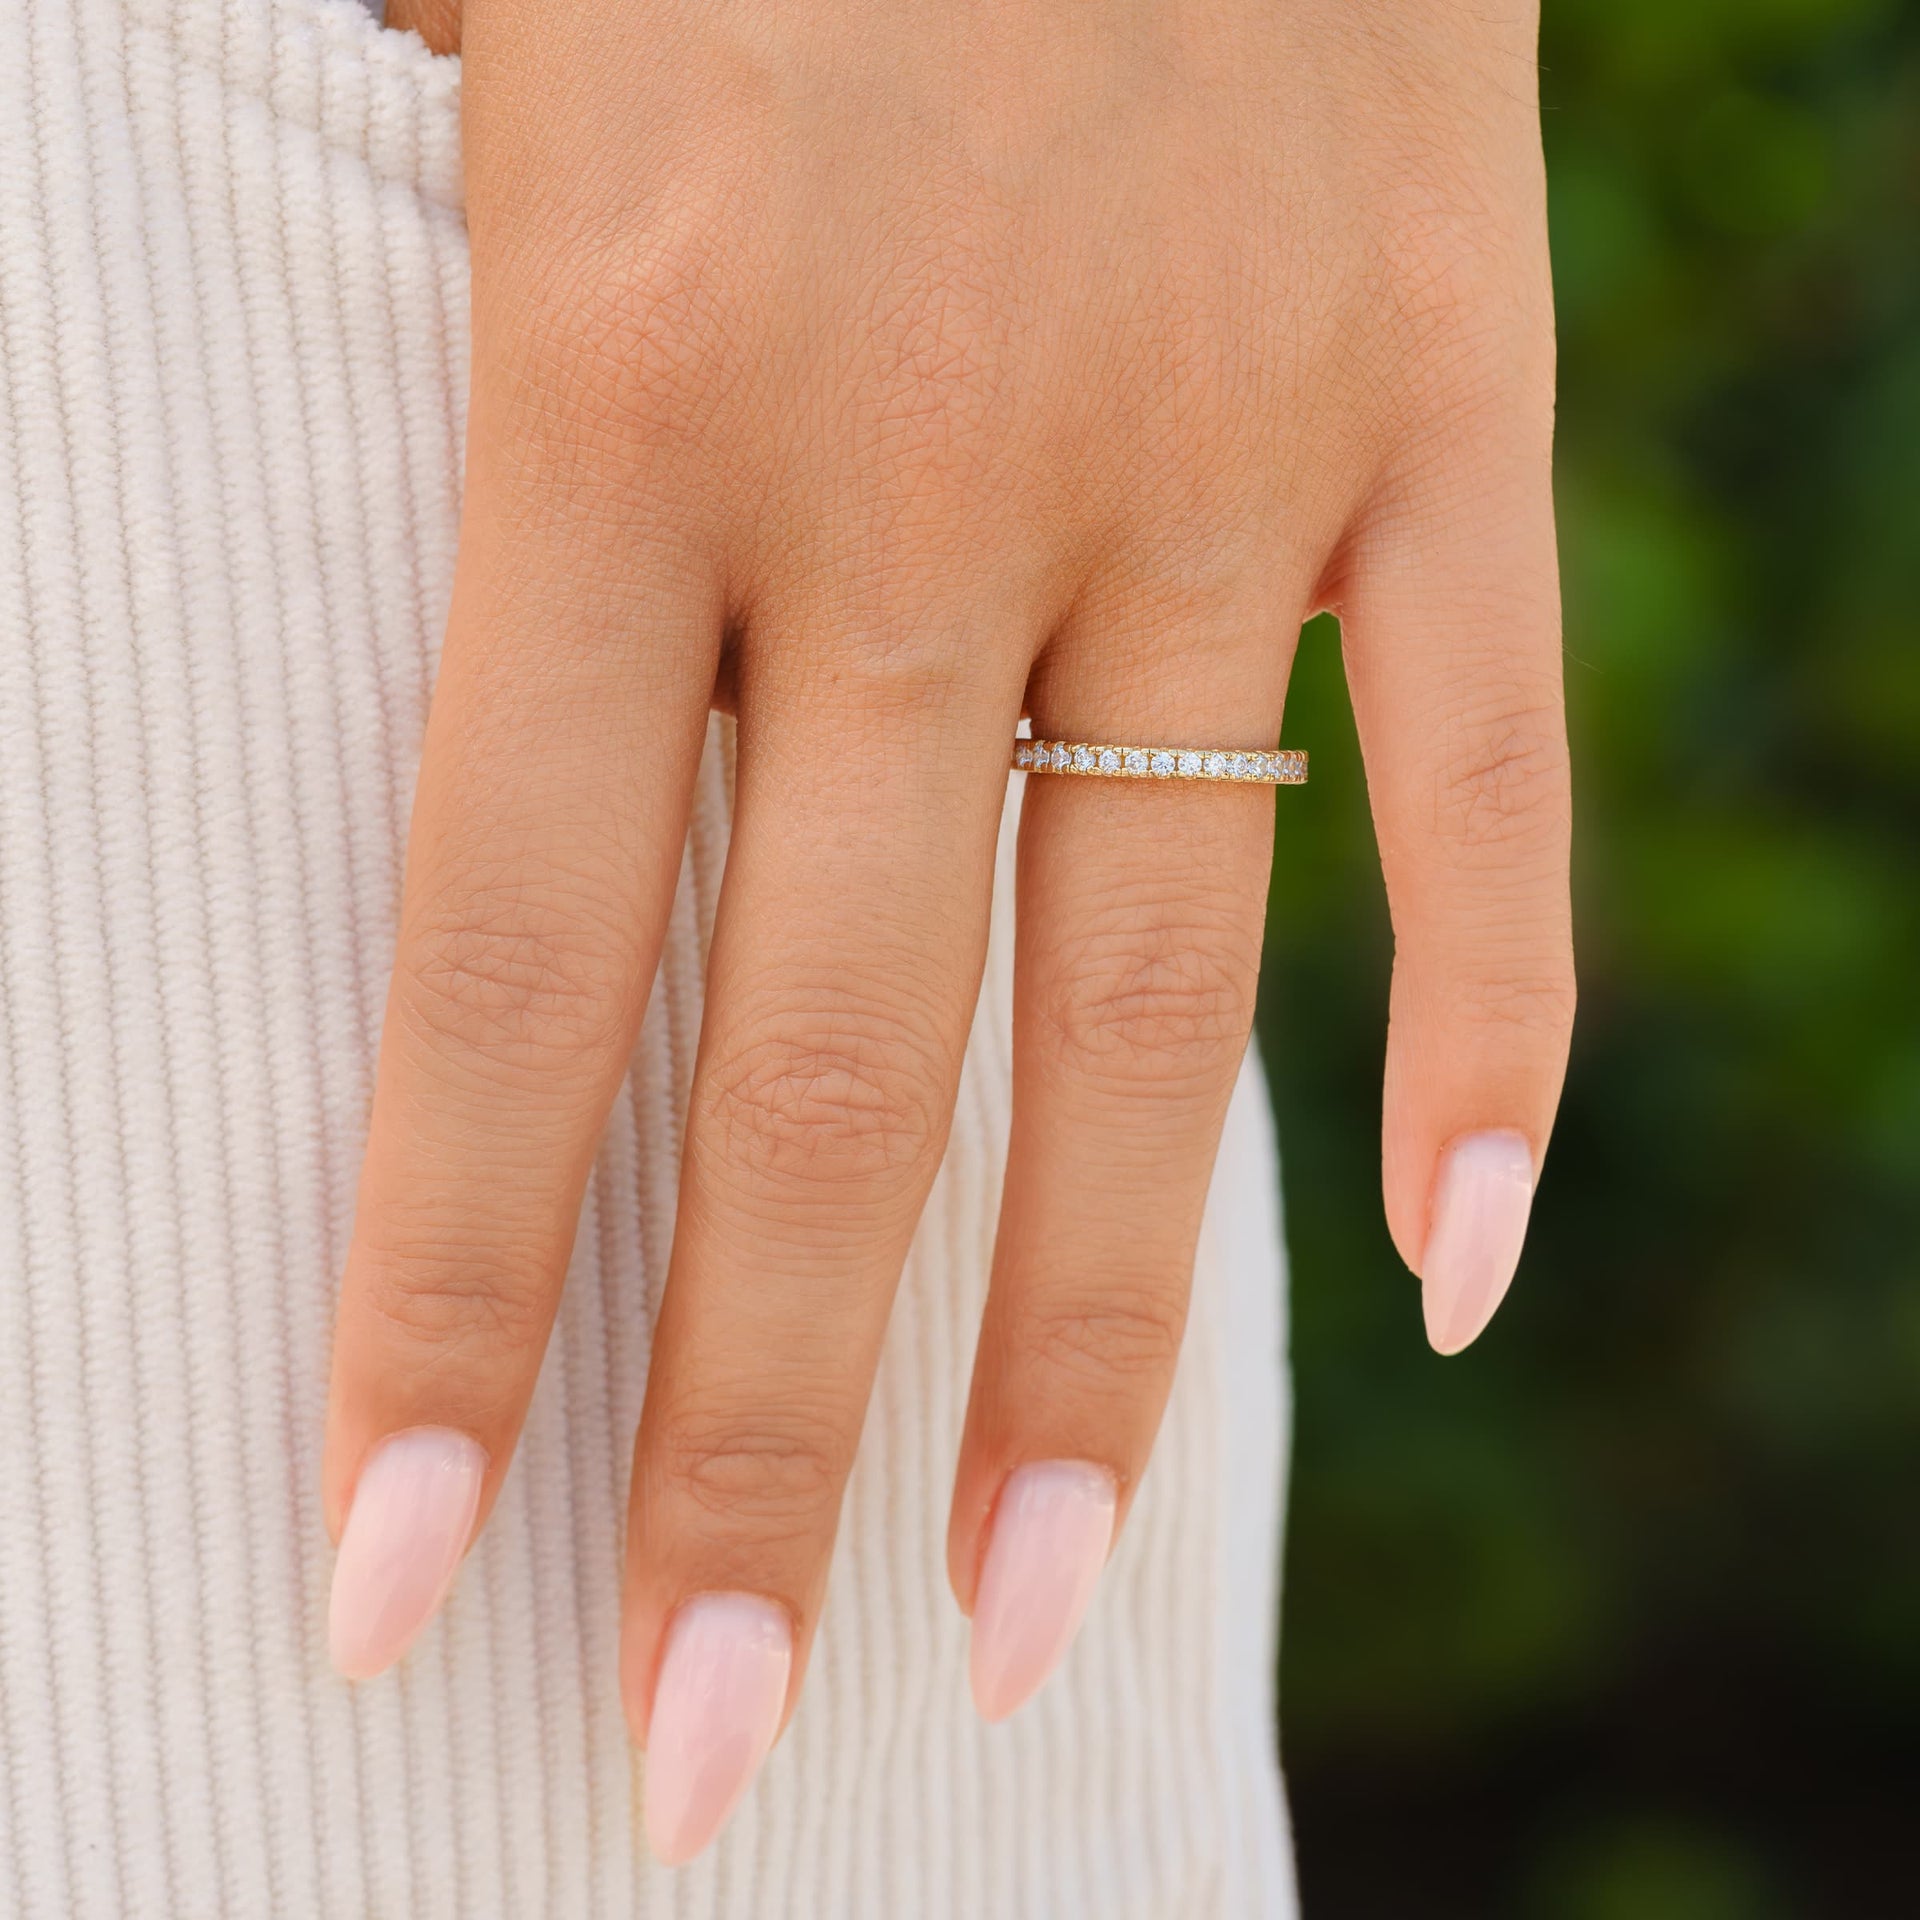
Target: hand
pixel 887 371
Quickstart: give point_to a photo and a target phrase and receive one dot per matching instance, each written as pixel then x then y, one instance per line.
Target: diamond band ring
pixel 1286 768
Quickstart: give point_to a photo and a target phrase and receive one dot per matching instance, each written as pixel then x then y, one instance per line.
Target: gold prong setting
pixel 1282 767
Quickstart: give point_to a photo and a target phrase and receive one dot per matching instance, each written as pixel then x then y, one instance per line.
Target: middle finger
pixel 846 960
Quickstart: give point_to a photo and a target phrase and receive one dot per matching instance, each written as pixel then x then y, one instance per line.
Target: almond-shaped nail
pixel 716 1708
pixel 412 1517
pixel 1051 1532
pixel 1481 1198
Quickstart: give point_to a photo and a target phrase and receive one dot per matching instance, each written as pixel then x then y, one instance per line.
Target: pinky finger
pixel 1451 613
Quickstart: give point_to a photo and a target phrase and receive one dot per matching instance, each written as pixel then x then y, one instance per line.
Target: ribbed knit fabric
pixel 232 313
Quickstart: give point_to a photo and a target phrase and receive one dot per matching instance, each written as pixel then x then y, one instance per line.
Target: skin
pixel 884 372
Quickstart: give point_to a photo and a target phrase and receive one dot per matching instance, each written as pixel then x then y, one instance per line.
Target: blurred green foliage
pixel 1617 1617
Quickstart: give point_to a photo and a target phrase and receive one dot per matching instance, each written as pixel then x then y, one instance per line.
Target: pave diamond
pixel 1280 767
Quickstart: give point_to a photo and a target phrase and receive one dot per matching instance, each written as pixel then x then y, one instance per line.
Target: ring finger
pixel 1141 904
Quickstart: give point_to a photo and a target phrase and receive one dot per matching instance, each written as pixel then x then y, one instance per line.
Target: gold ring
pixel 1285 768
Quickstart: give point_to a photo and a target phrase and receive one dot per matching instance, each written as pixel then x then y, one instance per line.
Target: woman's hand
pixel 886 370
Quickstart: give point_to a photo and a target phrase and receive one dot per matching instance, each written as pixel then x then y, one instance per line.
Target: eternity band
pixel 1283 769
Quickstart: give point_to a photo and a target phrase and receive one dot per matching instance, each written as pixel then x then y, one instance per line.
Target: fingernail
pixel 716 1708
pixel 410 1522
pixel 1051 1532
pixel 1481 1199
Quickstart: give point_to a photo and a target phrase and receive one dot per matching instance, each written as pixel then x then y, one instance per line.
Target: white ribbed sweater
pixel 232 338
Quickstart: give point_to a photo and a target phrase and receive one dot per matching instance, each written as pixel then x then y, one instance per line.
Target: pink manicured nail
pixel 1051 1532
pixel 410 1522
pixel 716 1708
pixel 1481 1199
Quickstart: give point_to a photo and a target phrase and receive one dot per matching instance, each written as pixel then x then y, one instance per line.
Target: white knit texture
pixel 232 344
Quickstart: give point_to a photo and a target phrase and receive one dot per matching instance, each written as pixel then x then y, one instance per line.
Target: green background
pixel 1617 1616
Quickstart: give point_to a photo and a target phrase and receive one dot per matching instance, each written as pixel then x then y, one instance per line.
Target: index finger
pixel 551 812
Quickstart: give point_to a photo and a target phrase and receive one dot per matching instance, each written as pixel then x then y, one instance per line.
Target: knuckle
pixel 438 1296
pixel 518 984
pixel 1510 788
pixel 937 333
pixel 1445 248
pixel 770 1469
pixel 1131 1336
pixel 905 661
pixel 828 1103
pixel 1161 986
pixel 617 350
pixel 1538 1004
pixel 1439 299
pixel 1456 287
